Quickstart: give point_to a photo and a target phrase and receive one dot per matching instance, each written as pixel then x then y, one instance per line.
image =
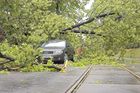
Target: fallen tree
pixel 2 37
pixel 89 21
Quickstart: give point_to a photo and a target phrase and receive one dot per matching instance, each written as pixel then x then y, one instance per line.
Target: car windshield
pixel 54 48
pixel 60 44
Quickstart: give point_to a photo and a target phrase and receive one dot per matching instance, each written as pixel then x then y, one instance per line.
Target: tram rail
pixel 76 85
pixel 131 72
pixel 73 88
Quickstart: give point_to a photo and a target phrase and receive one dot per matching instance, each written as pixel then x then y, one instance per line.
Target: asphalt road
pixel 133 64
pixel 39 82
pixel 134 67
pixel 106 79
pixel 102 79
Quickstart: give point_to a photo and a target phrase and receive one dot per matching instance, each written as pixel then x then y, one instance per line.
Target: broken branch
pixel 87 21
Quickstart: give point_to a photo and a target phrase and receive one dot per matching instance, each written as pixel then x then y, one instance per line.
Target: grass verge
pixel 132 53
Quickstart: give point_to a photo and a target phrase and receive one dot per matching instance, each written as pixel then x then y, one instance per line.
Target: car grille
pixel 48 52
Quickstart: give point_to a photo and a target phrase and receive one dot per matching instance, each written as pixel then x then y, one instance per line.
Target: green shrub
pixel 24 55
pixel 96 60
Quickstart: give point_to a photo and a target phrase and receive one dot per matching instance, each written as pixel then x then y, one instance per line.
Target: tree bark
pixel 88 21
pixel 57 7
pixel 2 35
pixel 6 57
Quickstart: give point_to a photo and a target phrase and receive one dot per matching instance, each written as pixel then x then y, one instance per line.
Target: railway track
pixel 131 72
pixel 73 88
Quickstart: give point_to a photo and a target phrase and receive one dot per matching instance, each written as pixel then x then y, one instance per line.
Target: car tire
pixel 45 61
pixel 72 59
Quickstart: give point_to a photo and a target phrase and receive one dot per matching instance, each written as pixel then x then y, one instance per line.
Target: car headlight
pixel 59 52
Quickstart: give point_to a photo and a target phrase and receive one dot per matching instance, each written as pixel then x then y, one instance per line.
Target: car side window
pixel 67 45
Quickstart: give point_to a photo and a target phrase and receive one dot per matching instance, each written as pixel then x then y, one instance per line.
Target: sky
pixel 88 6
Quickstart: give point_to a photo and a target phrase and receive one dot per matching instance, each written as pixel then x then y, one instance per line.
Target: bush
pixel 95 59
pixel 24 55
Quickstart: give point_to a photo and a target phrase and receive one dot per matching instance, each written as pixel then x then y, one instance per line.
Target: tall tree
pixel 120 30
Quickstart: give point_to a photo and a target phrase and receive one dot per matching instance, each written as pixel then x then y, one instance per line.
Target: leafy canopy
pixel 28 23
